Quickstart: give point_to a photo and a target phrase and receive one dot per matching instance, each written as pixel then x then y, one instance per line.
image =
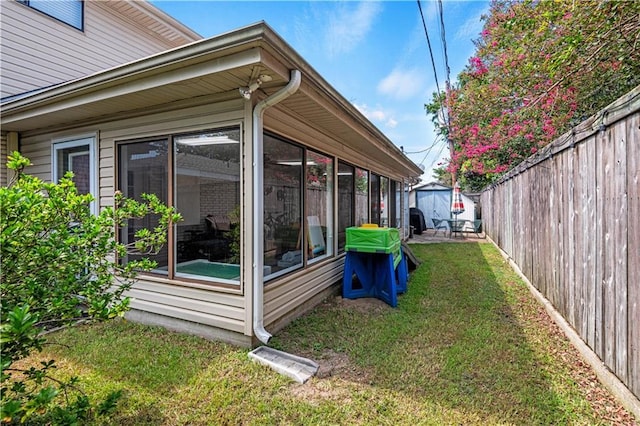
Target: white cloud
pixel 377 115
pixel 472 27
pixel 402 84
pixel 348 26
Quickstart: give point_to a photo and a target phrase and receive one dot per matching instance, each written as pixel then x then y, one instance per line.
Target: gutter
pixel 258 202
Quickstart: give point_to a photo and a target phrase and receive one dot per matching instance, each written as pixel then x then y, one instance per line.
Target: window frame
pixel 302 193
pixel 30 5
pixel 331 189
pixel 172 275
pixel 367 202
pixel 308 262
pixel 353 219
pixel 89 139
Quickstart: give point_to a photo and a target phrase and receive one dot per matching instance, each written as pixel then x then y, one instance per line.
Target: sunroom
pixel 266 162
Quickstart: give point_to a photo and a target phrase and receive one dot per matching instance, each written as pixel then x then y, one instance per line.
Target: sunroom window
pixel 362 196
pixel 283 175
pixel 396 193
pixel 346 201
pixel 319 206
pixel 143 168
pixel 385 205
pixel 207 194
pixel 298 218
pixel 199 174
pixel 375 198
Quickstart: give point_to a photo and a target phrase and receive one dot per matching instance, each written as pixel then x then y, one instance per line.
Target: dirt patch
pixel 334 381
pixel 364 305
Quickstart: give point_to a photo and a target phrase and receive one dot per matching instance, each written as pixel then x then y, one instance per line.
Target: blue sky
pixel 374 53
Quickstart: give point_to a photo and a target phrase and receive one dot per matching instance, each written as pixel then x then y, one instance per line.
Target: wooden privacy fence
pixel 569 217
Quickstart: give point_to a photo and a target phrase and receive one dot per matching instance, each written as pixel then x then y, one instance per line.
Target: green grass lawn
pixel 467 344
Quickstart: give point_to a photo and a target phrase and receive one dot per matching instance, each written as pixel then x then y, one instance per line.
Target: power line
pixel 426 33
pixel 443 38
pixel 428 150
pixel 435 73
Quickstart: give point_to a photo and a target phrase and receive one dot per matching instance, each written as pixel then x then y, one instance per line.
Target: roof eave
pixel 239 42
pixel 135 69
pixel 298 62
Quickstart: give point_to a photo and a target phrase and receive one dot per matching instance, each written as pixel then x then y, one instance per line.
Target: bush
pixel 59 265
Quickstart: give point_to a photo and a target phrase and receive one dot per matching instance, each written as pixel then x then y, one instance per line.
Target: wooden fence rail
pixel 569 217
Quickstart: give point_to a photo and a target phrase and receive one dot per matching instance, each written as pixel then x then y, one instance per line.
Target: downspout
pixel 258 202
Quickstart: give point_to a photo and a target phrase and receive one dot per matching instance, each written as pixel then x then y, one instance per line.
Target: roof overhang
pixel 197 74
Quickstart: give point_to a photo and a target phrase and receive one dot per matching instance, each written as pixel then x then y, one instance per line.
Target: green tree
pixel 442 176
pixel 58 265
pixel 540 67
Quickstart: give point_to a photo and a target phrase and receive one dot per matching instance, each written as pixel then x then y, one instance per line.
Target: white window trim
pixel 72 142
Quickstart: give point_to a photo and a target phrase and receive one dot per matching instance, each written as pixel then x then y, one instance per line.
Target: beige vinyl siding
pixel 38 51
pixel 190 304
pixel 9 143
pixel 291 295
pixel 38 150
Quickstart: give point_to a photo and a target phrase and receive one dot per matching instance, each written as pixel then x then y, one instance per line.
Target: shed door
pixel 434 204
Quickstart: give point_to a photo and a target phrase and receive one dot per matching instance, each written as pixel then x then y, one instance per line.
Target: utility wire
pixel 435 73
pixel 428 150
pixel 444 45
pixel 426 33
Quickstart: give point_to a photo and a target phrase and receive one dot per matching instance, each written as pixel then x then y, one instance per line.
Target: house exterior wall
pixel 39 51
pixel 279 121
pixel 180 103
pixel 207 309
pixel 192 307
pixel 8 144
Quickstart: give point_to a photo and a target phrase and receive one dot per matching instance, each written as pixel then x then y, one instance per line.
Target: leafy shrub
pixel 58 265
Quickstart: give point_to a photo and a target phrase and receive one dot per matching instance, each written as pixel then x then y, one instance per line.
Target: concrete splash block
pixel 296 367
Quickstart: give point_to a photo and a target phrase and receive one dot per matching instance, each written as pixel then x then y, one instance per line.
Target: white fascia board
pixel 166 20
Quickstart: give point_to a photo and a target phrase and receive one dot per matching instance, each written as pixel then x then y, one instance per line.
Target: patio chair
pixel 439 224
pixel 477 225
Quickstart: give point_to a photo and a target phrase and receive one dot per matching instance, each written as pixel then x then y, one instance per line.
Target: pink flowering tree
pixel 539 68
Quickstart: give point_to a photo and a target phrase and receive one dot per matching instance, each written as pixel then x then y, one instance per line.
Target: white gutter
pixel 258 203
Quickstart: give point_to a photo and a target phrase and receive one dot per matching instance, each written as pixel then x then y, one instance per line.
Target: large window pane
pixel 283 174
pixel 362 197
pixel 143 169
pixel 319 206
pixel 207 194
pixel 405 210
pixel 346 201
pixel 385 204
pixel 396 191
pixel 375 199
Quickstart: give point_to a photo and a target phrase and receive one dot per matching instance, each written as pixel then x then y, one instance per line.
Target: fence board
pixel 600 241
pixel 620 250
pixel 571 222
pixel 608 252
pixel 633 263
pixel 579 221
pixel 570 242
